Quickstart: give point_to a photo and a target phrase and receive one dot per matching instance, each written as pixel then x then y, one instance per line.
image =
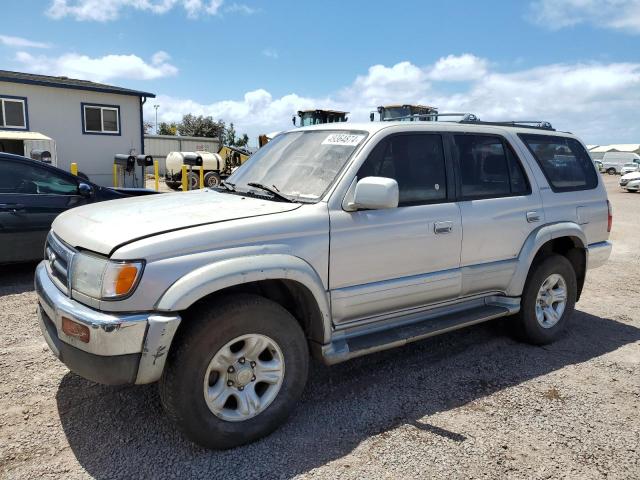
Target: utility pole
pixel 156 107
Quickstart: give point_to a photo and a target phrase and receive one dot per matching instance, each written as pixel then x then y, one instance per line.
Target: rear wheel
pixel 548 301
pixel 193 180
pixel 611 171
pixel 236 373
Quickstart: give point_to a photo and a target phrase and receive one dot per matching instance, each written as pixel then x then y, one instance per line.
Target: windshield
pixel 300 165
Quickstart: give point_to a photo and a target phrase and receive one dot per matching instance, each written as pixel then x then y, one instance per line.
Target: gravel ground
pixel 469 404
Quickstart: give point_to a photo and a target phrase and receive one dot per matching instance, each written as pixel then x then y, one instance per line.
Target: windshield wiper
pixel 229 186
pixel 272 190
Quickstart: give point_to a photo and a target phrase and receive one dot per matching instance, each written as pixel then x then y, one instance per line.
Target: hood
pixel 631 176
pixel 102 227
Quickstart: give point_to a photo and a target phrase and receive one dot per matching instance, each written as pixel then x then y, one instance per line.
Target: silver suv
pixel 337 241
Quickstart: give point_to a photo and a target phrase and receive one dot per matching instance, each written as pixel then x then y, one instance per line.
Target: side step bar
pixel 348 347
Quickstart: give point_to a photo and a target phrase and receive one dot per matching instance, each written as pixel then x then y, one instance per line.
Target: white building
pixel 597 151
pixel 89 122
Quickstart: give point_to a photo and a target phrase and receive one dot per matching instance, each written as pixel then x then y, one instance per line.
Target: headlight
pixel 98 277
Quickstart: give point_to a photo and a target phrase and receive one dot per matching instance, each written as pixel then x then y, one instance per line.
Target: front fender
pixel 532 246
pixel 237 271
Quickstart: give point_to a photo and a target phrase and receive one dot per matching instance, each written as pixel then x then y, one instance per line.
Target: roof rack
pixel 537 124
pixel 470 118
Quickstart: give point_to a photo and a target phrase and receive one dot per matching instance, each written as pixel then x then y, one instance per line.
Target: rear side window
pixel 488 168
pixel 564 162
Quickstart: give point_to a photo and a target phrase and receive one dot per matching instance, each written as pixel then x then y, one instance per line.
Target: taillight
pixel 609 216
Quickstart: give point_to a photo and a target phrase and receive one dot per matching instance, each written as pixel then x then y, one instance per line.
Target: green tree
pixel 242 141
pixel 200 126
pixel 167 128
pixel 229 136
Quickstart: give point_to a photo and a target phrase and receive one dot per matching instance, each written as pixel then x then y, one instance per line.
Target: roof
pixel 621 147
pixel 427 107
pixel 21 135
pixel 65 82
pixel 321 110
pixel 374 127
pixel 181 137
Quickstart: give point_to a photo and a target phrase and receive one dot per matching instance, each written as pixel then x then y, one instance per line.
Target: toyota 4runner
pixel 334 241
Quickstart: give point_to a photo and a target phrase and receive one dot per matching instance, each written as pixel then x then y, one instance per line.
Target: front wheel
pixel 611 171
pixel 548 300
pixel 236 373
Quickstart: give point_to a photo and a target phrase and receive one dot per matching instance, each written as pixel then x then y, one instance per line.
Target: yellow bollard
pixel 185 185
pixel 155 174
pixel 115 175
pixel 201 177
pixel 74 169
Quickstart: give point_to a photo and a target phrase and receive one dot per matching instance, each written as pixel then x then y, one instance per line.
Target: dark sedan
pixel 32 194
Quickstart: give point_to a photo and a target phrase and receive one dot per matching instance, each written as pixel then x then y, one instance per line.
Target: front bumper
pixel 122 348
pixel 598 254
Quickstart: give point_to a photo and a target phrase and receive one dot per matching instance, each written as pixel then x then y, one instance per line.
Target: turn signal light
pixel 126 277
pixel 75 330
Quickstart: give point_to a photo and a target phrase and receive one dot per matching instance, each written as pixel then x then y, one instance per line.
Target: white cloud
pixel 270 53
pixel 595 100
pixel 98 69
pixel 241 8
pixel 458 68
pixel 107 10
pixel 19 42
pixel 623 15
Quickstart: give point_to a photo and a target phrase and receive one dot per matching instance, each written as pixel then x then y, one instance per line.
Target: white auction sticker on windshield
pixel 345 139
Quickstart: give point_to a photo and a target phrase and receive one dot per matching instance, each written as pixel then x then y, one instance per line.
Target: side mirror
pixel 85 190
pixel 372 116
pixel 293 119
pixel 374 193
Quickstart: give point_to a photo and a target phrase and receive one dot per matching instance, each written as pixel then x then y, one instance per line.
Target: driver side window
pixel 20 178
pixel 416 162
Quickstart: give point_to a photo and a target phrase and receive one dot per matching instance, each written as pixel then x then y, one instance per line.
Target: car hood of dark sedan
pixel 103 227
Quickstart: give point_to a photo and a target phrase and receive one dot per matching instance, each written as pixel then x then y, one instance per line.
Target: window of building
pixel 13 113
pixel 565 163
pixel 488 168
pixel 416 162
pixel 101 119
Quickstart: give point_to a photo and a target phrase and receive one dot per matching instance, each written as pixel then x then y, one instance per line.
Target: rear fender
pixel 532 246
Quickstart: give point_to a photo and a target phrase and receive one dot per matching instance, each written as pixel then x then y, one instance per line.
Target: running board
pixel 348 347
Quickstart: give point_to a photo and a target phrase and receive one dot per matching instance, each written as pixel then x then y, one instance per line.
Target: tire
pixel 172 185
pixel 193 180
pixel 211 179
pixel 611 171
pixel 528 327
pixel 207 332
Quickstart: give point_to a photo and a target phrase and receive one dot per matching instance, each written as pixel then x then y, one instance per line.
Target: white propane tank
pixel 210 161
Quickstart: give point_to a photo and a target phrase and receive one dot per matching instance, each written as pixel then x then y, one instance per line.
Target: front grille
pixel 59 257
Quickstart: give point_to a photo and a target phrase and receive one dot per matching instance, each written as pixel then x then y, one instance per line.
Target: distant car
pixel 614 161
pixel 32 194
pixel 631 181
pixel 630 167
pixel 599 165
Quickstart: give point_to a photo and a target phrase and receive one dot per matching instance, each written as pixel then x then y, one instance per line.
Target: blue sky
pixel 573 62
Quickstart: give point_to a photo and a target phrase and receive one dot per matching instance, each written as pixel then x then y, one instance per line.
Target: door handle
pixel 533 216
pixel 442 227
